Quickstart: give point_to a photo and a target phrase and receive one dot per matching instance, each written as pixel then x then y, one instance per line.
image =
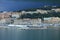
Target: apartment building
pixel 27 21
pixel 52 20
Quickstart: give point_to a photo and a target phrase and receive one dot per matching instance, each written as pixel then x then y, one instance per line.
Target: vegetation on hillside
pixel 39 15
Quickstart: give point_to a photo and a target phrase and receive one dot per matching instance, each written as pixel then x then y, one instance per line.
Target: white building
pixel 27 21
pixel 56 10
pixel 30 12
pixel 52 20
pixel 15 15
pixel 4 21
pixel 47 20
pixel 42 11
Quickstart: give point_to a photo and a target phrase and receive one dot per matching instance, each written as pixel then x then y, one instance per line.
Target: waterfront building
pixel 6 21
pixel 55 19
pixel 27 21
pixel 52 20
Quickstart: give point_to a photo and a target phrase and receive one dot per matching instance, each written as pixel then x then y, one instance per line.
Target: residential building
pixel 27 21
pixel 42 11
pixel 52 20
pixel 30 12
pixel 6 21
pixel 56 10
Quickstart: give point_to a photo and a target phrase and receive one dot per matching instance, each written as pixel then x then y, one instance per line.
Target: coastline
pixel 6 27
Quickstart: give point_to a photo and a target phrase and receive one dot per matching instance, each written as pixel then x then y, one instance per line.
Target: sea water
pixel 29 34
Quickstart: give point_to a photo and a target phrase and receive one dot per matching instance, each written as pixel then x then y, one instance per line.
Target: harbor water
pixel 29 34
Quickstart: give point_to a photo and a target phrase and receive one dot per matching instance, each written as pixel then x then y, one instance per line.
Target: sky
pixel 13 5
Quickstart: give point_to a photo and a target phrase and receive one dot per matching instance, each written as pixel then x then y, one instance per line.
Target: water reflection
pixel 17 34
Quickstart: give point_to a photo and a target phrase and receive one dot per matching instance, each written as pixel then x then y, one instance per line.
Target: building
pixel 27 21
pixel 16 14
pixel 52 20
pixel 4 16
pixel 56 10
pixel 30 12
pixel 55 19
pixel 47 20
pixel 6 21
pixel 42 11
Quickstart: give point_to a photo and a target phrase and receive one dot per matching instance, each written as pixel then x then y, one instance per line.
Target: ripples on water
pixel 38 34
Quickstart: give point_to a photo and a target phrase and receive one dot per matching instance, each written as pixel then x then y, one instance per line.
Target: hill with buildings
pixel 31 15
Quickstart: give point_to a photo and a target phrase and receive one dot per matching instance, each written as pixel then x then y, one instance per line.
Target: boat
pixel 28 26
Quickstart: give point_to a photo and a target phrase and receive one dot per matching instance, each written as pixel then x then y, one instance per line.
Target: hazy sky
pixel 10 5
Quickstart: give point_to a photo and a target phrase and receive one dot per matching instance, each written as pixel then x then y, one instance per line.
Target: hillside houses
pixel 15 16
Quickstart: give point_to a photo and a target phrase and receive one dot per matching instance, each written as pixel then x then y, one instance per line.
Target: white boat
pixel 27 26
pixel 18 26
